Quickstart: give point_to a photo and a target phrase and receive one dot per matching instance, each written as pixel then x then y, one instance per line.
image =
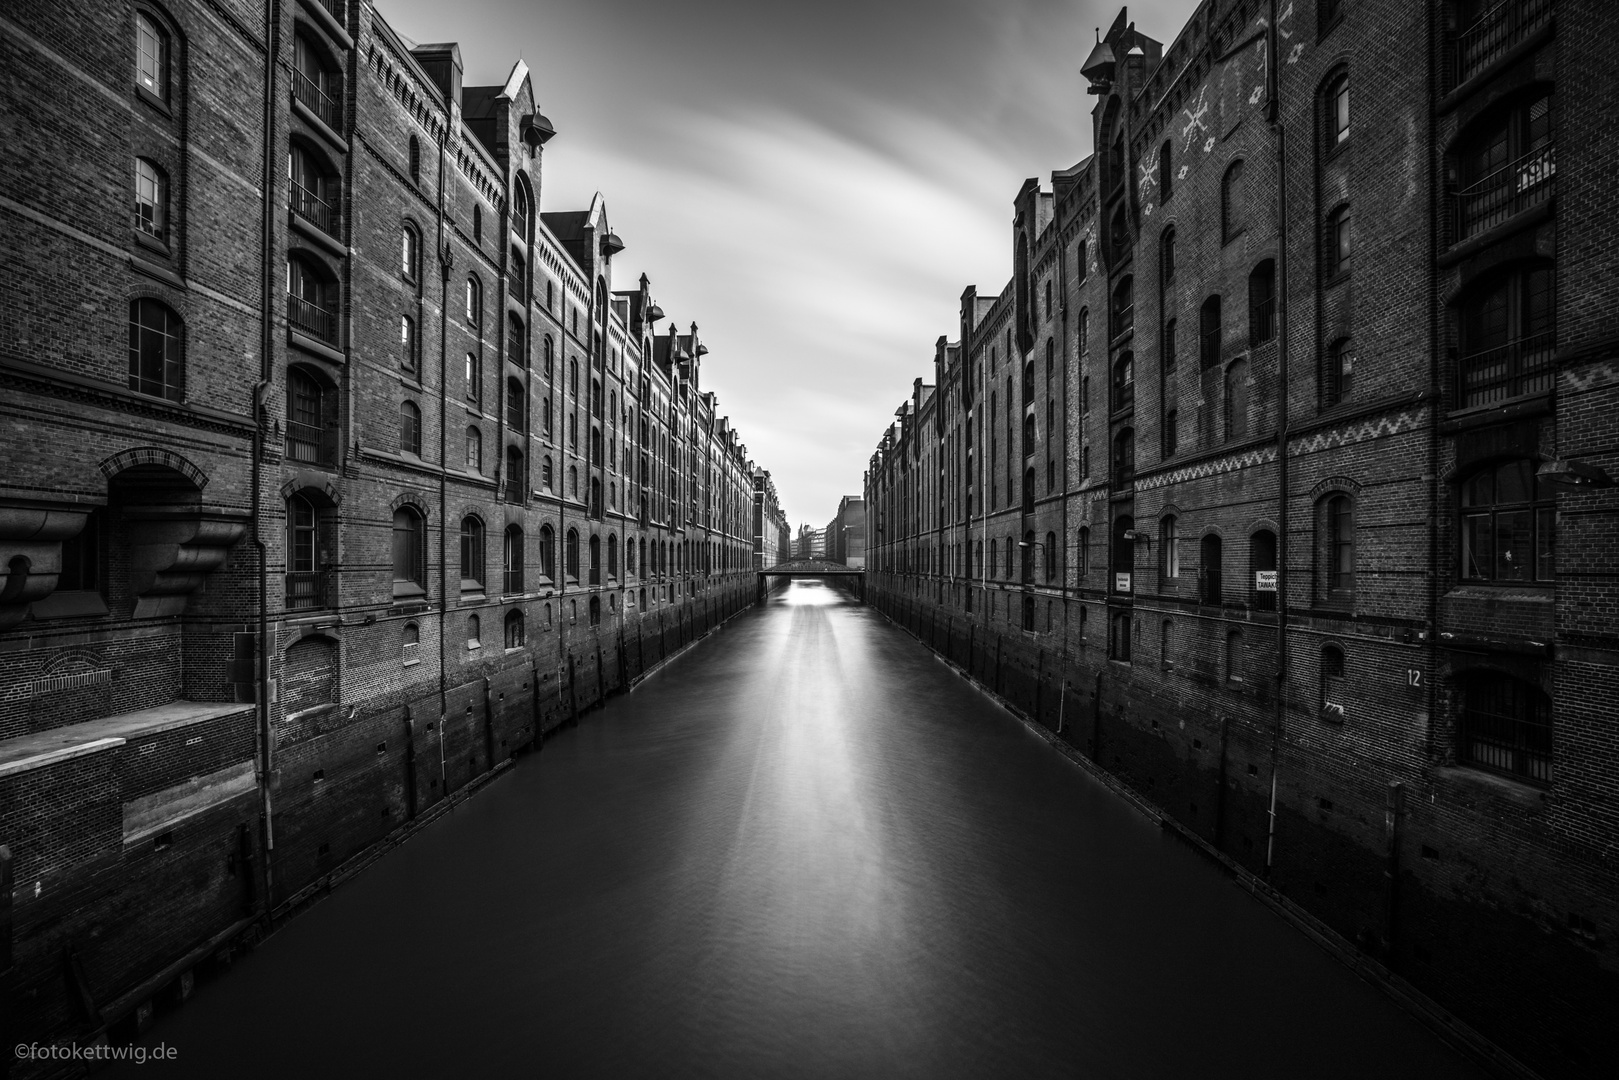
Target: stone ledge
pixel 26 753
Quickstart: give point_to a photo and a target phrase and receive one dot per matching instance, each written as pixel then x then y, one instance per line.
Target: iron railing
pixel 311 206
pixel 312 96
pixel 1519 367
pixel 310 318
pixel 1491 36
pixel 334 8
pixel 1504 732
pixel 311 444
pixel 308 590
pixel 1514 187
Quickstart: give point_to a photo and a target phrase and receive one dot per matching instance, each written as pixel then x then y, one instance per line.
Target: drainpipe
pixel 445 264
pixel 261 695
pixel 1273 117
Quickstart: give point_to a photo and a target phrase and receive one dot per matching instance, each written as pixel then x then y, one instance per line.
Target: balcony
pixel 311 444
pixel 1512 370
pixel 308 317
pixel 312 207
pixel 309 590
pixel 308 93
pixel 1497 30
pixel 1509 190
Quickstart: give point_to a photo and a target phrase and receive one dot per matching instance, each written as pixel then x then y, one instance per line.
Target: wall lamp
pixel 1139 537
pixel 1571 473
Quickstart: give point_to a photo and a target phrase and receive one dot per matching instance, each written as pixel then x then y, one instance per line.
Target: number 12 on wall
pixel 1413 676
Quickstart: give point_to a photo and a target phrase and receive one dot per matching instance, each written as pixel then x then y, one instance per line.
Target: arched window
pixel 1236 401
pixel 1333 698
pixel 474 305
pixel 1082 549
pixel 1262 303
pixel 410 644
pixel 1508 333
pixel 156 337
pixel 410 253
pixel 517 274
pixel 1124 306
pixel 1335 111
pixel 474 632
pixel 409 552
pixel 315 191
pixel 1336 243
pixel 516 475
pixel 1166 258
pixel 1508 524
pixel 548 553
pixel 151 56
pixel 1124 381
pixel 1335 523
pixel 415 160
pixel 1124 456
pixel 474 378
pixel 317 85
pixel 514 629
pixel 311 431
pixel 1028 434
pixel 472 565
pixel 1233 217
pixel 549 352
pixel 1169 549
pixel 1084 333
pixel 156 350
pixel 1338 371
pixel 311 300
pixel 511 556
pixel 309 543
pixel 1506 726
pixel 612 556
pixel 151 200
pixel 1028 382
pixel 1119 644
pixel 1171 432
pixel 516 406
pixel 1505 163
pixel 1262 576
pixel 573 378
pixel 1211 570
pixel 1209 332
pixel 1166 171
pixel 595 559
pixel 407 343
pixel 477 224
pixel 410 428
pixel 1051 556
pixel 629 555
pixel 571 555
pixel 516 352
pixel 520 209
pixel 1233 656
pixel 546 479
pixel 474 450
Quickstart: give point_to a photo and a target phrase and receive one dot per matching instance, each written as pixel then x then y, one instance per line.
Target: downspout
pixel 261 695
pixel 1273 116
pixel 444 264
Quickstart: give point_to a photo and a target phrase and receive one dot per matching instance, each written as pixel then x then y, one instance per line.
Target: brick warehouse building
pixel 1277 481
pixel 394 478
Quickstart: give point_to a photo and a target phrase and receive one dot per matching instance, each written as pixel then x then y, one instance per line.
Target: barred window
pixel 1506 726
pixel 514 630
pixel 410 429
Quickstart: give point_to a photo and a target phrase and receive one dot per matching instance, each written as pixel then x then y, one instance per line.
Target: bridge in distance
pixel 813 568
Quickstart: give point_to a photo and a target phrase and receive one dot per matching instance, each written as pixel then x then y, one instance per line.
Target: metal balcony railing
pixel 314 208
pixel 310 318
pixel 311 444
pixel 1491 36
pixel 1515 187
pixel 312 96
pixel 333 8
pixel 1519 367
pixel 308 590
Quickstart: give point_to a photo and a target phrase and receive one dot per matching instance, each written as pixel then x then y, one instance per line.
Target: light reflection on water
pixel 805 849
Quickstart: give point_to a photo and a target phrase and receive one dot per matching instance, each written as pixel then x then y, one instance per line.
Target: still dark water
pixel 805 849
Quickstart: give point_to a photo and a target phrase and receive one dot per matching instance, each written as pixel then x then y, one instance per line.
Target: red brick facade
pixel 1235 483
pixel 342 474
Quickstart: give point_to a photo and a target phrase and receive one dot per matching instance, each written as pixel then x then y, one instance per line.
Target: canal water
pixel 804 849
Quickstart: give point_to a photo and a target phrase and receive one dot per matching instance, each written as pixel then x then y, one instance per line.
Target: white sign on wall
pixel 1121 582
pixel 1264 581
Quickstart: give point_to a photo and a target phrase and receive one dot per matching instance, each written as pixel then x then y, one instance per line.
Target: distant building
pixel 846 533
pixel 772 541
pixel 810 544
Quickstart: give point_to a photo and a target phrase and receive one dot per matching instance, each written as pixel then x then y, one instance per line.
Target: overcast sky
pixel 814 184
